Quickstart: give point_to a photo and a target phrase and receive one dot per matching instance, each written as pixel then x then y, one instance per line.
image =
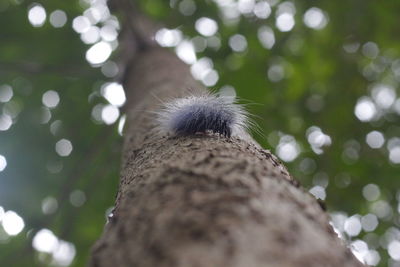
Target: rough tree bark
pixel 205 200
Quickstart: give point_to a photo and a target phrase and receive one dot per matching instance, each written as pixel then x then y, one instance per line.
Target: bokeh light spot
pixel 276 72
pixel 187 7
pixel 285 22
pixel 37 15
pixel 317 139
pixel 394 155
pixel 44 241
pixel 168 38
pixel 315 18
pixel 352 226
pixel 5 122
pixel 199 43
pixel 351 47
pixel 238 43
pixel 287 149
pixel 382 209
pixel 1 213
pixel 372 258
pixel 98 53
pixel 266 37
pixel 91 36
pixel 45 115
pixel 12 223
pixel 98 12
pixel 370 50
pixel 114 93
pixel 64 147
pixel 6 93
pixel 214 42
pixel 285 7
pixel 49 205
pixel 375 139
pixel 62 252
pixel 371 192
pixel 3 163
pixel 121 125
pixel 185 51
pixel 210 78
pixel 77 198
pixel 369 222
pixel 383 95
pixel 58 18
pixel 206 26
pixel 394 249
pixel 50 99
pixel 108 33
pixel 109 114
pixel 365 109
pixel 359 249
pixel 245 6
pixel 318 192
pixel 81 24
pixel 262 10
pixel 201 67
pixel 110 69
pixel 228 91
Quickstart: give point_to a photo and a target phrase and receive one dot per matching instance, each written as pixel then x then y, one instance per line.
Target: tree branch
pixel 205 200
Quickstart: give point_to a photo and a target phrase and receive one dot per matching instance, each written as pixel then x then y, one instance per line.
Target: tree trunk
pixel 205 200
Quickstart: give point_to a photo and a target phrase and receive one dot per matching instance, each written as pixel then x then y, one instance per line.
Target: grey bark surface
pixel 205 200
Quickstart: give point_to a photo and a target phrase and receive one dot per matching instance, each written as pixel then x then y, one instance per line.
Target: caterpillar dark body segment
pixel 197 118
pixel 201 115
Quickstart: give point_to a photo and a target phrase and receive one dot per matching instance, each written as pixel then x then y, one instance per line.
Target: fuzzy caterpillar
pixel 208 113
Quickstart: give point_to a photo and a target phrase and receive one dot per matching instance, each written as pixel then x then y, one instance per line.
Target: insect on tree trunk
pixel 204 200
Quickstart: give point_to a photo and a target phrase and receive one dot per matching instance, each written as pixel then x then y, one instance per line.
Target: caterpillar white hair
pixel 203 114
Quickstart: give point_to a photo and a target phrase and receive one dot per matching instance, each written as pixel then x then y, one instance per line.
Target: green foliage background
pixel 322 74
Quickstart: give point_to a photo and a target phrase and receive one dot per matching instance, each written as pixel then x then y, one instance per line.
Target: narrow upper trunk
pixel 205 200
